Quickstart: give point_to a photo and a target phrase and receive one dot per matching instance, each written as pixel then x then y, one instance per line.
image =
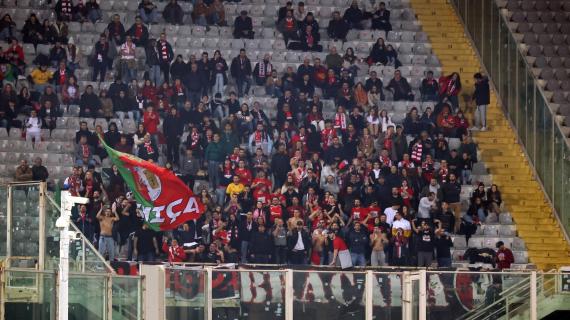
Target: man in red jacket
pixel 504 256
pixel 175 252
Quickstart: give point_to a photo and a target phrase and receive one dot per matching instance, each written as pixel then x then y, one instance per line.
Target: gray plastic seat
pixel 506 231
pixel 552 28
pixel 561 74
pixel 529 38
pixel 513 5
pixel 524 27
pixel 549 51
pixel 559 97
pixel 538 28
pixel 518 17
pixel 558 39
pixel 535 51
pixel 532 16
pixel 560 17
pixel 540 62
pixel 565 85
pixel 505 218
pixel 546 17
pixel 556 62
pixel 552 85
pixel 527 5
pixel 564 110
pixel 554 5
pixel 563 51
pixel 544 39
pixel 565 28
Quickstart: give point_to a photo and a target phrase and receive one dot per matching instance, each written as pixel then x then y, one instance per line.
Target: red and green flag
pixel 164 200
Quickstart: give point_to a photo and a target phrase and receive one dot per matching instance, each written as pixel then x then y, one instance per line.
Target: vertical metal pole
pixel 208 306
pixel 423 295
pixel 289 294
pixel 140 297
pixel 42 228
pixel 533 297
pixel 109 297
pixel 83 252
pixel 63 274
pixel 406 296
pixel 369 294
pixel 2 294
pixel 9 227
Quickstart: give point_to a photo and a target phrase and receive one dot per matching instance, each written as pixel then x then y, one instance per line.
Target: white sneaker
pixel 474 129
pixel 483 128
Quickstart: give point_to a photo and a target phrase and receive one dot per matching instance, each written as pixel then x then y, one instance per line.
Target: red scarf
pixel 85 152
pixel 62 77
pixel 164 50
pixel 149 148
pixel 340 121
pixel 195 139
pixel 289 23
pixel 310 39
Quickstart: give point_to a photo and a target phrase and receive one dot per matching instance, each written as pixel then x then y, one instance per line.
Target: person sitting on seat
pixel 243 26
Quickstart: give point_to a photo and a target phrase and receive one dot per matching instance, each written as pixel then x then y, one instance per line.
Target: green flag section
pixel 164 200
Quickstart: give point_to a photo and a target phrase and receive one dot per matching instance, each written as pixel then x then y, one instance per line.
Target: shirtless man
pixel 319 240
pixel 292 222
pixel 378 240
pixel 106 242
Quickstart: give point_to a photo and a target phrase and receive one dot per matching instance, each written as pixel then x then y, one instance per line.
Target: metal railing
pixel 525 103
pixel 33 294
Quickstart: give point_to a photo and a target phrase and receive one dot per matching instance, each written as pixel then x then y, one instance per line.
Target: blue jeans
pixel 444 262
pixel 243 249
pixel 146 257
pixel 128 74
pixel 466 176
pixel 154 75
pixel 214 174
pixel 148 18
pixel 243 85
pixel 358 259
pixel 107 245
pixel 218 85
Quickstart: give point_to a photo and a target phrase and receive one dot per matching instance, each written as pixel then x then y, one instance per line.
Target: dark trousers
pixel 261 258
pixel 165 68
pixel 172 145
pixel 297 257
pixel 280 255
pixel 99 69
pixel 188 180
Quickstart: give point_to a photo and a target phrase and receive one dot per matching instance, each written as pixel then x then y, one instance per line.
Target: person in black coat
pixel 138 32
pixel 310 41
pixel 165 56
pixel 310 21
pixel 378 53
pixel 354 16
pixel 90 104
pixel 173 13
pixel 100 59
pixel 280 165
pixel 240 69
pixel 116 30
pixel 261 245
pixel 381 19
pixel 298 248
pixel 243 26
pixel 482 98
pixel 400 88
pixel 338 28
pixel 173 129
pixel 195 81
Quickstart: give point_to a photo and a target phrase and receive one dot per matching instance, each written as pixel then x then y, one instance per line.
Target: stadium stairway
pixel 499 149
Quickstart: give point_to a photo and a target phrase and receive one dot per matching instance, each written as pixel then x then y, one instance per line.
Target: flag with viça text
pixel 164 200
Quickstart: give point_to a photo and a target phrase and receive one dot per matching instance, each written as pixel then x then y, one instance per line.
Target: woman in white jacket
pixel 385 120
pixel 33 128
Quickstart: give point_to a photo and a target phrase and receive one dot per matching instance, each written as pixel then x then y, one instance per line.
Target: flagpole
pixel 62 223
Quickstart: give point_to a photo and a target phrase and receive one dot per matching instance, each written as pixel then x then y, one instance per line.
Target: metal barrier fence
pixel 524 102
pixel 32 294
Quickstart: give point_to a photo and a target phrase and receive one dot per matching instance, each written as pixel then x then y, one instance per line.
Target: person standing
pixel 106 221
pixel 241 71
pixel 299 242
pixel 145 245
pixel 425 241
pixel 451 191
pixel 261 245
pixel 280 242
pixel 214 155
pixel 173 129
pixel 357 240
pixel 481 96
pixel 378 240
pixel 443 245
pixel 166 55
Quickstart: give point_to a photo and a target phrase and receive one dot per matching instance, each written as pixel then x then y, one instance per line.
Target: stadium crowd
pixel 354 189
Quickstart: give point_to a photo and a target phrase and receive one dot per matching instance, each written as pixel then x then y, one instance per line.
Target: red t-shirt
pixel 275 212
pixel 151 121
pixel 339 244
pixel 244 175
pixel 359 213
